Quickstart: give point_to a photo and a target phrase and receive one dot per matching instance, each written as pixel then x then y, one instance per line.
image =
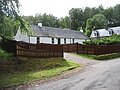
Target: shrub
pixel 4 55
pixel 114 39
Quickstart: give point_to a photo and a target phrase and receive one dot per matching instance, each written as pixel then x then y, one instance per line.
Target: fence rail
pixel 38 50
pixel 70 47
pixel 23 49
pixel 98 50
pixel 91 49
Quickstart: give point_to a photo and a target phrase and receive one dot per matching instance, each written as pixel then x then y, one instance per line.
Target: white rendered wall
pixel 62 40
pixel 48 40
pixel 33 40
pixel 79 41
pixel 67 41
pixel 21 37
pixel 45 40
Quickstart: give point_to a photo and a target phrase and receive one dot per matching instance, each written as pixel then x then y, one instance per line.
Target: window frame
pixel 52 40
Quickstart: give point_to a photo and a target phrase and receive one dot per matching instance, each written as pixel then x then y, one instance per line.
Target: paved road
pixel 101 75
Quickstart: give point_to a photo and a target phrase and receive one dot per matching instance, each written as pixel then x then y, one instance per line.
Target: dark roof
pixel 57 32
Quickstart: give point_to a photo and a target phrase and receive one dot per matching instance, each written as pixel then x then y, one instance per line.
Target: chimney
pixel 40 24
pixel 81 30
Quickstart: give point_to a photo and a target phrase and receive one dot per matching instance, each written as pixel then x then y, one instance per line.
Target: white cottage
pixel 105 32
pixel 51 35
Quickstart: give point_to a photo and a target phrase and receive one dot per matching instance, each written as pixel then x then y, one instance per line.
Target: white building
pixel 104 33
pixel 52 35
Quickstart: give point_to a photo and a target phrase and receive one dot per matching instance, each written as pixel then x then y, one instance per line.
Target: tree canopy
pixel 96 22
pixel 86 18
pixel 9 15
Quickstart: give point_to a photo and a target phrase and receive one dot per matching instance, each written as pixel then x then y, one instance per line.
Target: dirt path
pixel 80 60
pixel 101 75
pixel 85 64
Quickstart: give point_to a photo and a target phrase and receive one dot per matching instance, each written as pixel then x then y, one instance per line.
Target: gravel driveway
pixel 100 75
pixel 80 60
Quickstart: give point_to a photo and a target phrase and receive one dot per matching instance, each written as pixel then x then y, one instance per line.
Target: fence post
pixel 15 48
pixel 77 47
pixel 62 51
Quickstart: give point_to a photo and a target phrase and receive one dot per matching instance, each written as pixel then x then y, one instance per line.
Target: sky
pixel 60 8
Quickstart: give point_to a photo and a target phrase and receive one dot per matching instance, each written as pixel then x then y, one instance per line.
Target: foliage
pixel 33 69
pixel 96 22
pixel 46 20
pixel 114 39
pixel 88 32
pixel 81 17
pixel 10 27
pixel 65 22
pixel 76 18
pixel 4 55
pixel 9 11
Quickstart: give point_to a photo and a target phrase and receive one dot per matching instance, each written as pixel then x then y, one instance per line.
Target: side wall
pixel 48 40
pixel 33 40
pixel 21 37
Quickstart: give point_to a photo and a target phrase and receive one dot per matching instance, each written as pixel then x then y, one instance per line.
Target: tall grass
pixel 30 70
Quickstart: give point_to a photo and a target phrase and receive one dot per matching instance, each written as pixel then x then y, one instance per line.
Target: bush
pixel 114 39
pixel 4 55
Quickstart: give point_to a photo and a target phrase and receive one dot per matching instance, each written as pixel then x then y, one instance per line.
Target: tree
pixel 10 9
pixel 46 20
pixel 30 19
pixel 116 15
pixel 10 27
pixel 81 17
pixel 65 22
pixel 76 18
pixel 96 22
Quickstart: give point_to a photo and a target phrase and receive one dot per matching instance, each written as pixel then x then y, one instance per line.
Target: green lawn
pixel 101 57
pixel 12 73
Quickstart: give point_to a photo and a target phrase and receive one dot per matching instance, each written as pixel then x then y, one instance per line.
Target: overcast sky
pixel 60 8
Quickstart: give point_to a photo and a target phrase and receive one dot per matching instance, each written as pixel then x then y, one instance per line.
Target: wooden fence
pixel 91 49
pixel 70 47
pixel 51 50
pixel 98 50
pixel 22 49
pixel 38 50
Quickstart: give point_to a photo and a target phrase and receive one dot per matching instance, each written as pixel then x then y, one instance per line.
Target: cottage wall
pixel 33 40
pixel 21 37
pixel 80 41
pixel 68 41
pixel 48 40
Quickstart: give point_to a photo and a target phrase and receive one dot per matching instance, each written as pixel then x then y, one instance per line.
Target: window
pixel 111 32
pixel 38 40
pixel 64 40
pixel 59 41
pixel 52 40
pixel 73 40
pixel 96 33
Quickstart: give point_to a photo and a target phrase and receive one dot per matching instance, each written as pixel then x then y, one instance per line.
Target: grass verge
pixel 28 70
pixel 101 57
